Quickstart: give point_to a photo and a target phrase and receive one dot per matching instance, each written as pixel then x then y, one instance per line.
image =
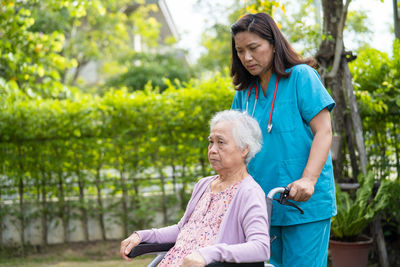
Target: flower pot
pixel 350 254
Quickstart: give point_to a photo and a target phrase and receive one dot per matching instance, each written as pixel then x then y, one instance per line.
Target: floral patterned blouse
pixel 202 228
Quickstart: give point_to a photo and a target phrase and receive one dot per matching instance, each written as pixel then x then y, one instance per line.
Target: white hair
pixel 246 131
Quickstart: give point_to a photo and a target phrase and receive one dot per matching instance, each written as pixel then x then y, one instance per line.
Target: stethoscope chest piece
pixel 269 128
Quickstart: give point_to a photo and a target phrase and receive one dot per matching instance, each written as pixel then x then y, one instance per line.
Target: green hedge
pixel 61 149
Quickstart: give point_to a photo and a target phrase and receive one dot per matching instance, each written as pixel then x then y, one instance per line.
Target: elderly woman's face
pixel 223 152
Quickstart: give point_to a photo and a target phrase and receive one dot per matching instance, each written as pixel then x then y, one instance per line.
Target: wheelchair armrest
pixel 229 264
pixel 146 248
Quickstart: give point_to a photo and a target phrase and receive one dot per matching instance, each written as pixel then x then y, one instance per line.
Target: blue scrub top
pixel 285 149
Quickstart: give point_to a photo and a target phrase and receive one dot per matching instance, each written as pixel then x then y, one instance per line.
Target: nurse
pixel 284 93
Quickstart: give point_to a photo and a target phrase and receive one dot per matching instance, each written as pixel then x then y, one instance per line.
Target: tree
pixel 30 61
pixel 217 38
pixel 150 67
pixel 396 17
pixel 331 56
pixel 97 30
pixel 336 74
pixel 45 44
pixel 377 88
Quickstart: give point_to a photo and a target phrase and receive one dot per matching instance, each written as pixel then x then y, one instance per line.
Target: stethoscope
pixel 269 128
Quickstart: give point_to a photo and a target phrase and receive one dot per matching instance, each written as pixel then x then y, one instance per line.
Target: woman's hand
pixel 128 244
pixel 194 260
pixel 302 189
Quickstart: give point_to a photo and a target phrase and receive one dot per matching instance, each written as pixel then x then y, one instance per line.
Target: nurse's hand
pixel 302 189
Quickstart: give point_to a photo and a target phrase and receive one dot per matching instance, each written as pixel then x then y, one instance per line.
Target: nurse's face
pixel 223 152
pixel 255 53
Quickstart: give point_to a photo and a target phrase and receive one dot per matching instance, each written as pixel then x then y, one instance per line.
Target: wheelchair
pixel 162 249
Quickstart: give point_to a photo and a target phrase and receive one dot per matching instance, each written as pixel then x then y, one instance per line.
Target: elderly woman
pixel 226 217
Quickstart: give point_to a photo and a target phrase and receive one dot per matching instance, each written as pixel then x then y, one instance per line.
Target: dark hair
pixel 265 27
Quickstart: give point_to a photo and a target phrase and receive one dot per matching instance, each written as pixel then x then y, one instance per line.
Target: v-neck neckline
pixel 270 88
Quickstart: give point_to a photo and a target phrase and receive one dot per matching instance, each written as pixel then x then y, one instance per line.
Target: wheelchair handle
pixel 275 191
pixel 284 197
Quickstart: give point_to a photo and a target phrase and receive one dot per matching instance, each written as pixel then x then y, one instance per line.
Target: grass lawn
pixel 97 253
pixel 102 254
pixel 105 263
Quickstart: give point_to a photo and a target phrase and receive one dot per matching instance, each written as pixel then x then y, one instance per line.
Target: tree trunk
pixel 173 175
pixel 332 11
pixel 22 211
pixel 21 215
pixel 351 148
pixel 163 197
pixel 140 221
pixel 81 64
pixel 100 205
pixel 82 205
pixel 124 203
pixel 338 123
pixel 63 212
pixel 182 191
pixel 44 212
pixel 203 167
pixel 396 17
pixel 62 207
pixel 339 80
pixel 355 116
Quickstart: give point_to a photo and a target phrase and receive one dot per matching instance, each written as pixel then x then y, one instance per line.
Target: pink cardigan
pixel 244 232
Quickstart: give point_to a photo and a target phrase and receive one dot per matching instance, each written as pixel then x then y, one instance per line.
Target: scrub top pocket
pixel 283 117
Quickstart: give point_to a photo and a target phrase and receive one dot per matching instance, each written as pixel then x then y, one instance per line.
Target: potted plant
pixel 348 246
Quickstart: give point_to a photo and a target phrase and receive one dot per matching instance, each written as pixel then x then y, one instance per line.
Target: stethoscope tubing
pixel 255 102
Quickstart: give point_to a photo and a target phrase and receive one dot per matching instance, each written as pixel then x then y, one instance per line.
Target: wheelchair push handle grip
pixel 284 198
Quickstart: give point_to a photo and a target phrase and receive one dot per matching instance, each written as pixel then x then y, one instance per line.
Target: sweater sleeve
pixel 169 234
pixel 255 225
pixel 161 235
pixel 312 97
